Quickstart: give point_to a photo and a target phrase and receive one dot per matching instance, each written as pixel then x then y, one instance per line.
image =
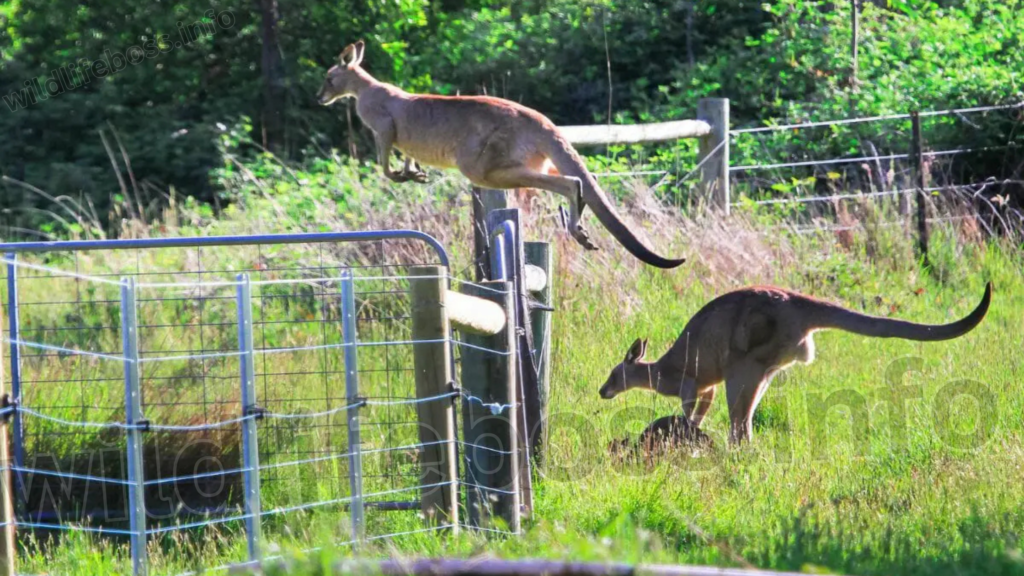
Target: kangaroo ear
pixel 636 352
pixel 360 46
pixel 346 55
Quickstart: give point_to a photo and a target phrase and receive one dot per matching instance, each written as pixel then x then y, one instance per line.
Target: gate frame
pixel 11 250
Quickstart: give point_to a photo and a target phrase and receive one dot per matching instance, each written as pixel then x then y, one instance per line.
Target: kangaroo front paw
pixel 410 176
pixel 583 237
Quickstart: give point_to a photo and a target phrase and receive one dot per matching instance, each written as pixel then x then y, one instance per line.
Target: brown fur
pixel 495 143
pixel 745 338
pixel 664 433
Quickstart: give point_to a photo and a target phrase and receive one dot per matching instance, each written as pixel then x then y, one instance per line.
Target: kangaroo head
pixel 344 77
pixel 633 372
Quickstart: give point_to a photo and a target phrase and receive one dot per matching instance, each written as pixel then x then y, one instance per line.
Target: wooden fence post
pixel 491 432
pixel 7 544
pixel 432 362
pixel 917 161
pixel 715 171
pixel 484 201
pixel 539 254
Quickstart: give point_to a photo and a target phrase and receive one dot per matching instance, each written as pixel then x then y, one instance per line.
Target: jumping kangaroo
pixel 495 143
pixel 745 338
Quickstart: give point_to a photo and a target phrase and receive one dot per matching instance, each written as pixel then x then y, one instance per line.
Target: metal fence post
pixel 7 546
pixel 134 421
pixel 250 446
pixel 14 333
pixel 715 172
pixel 485 200
pixel 506 224
pixel 355 458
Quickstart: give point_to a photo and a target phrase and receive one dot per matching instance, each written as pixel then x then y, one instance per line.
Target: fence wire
pixel 70 468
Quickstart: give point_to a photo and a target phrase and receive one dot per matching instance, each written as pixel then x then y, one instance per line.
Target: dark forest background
pixel 246 73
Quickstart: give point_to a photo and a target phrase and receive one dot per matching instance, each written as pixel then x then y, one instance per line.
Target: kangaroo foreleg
pixel 384 134
pixel 412 171
pixel 704 399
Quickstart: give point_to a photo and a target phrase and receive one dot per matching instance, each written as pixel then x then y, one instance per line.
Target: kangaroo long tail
pixel 833 316
pixel 569 163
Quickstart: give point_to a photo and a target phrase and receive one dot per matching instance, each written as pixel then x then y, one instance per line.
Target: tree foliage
pixel 643 60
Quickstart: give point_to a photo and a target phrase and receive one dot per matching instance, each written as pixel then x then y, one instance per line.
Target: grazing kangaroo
pixel 745 338
pixel 495 143
pixel 665 432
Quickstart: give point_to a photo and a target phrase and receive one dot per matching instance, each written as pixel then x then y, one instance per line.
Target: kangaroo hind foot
pixel 577 231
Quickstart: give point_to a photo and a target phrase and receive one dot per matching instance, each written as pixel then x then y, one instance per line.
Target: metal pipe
pixel 355 461
pixel 207 241
pixel 133 418
pixel 14 333
pixel 250 446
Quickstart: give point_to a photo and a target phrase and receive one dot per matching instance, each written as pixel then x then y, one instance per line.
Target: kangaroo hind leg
pixel 744 383
pixel 567 186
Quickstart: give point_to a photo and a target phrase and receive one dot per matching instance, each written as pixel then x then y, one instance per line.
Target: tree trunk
pixel 273 80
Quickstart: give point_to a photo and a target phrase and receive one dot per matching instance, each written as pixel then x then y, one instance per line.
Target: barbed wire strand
pixel 59 272
pixel 347 499
pixel 199 476
pixel 844 121
pixel 67 475
pixel 348 454
pixel 831 197
pixel 831 161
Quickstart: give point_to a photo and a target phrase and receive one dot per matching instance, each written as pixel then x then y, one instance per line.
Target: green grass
pixel 833 480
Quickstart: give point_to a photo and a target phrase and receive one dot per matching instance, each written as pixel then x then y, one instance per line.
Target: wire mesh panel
pixel 69 374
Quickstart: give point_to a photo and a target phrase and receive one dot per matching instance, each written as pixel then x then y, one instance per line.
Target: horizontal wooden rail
pixel 536 278
pixel 479 316
pixel 635 133
pixel 474 315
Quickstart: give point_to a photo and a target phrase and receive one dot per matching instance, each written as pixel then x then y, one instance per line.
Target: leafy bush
pixel 646 60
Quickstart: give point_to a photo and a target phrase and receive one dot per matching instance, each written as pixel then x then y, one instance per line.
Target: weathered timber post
pixel 539 254
pixel 491 414
pixel 917 161
pixel 484 201
pixel 7 546
pixel 432 362
pixel 715 171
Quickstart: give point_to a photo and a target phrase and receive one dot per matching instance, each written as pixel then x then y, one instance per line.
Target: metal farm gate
pixel 161 391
